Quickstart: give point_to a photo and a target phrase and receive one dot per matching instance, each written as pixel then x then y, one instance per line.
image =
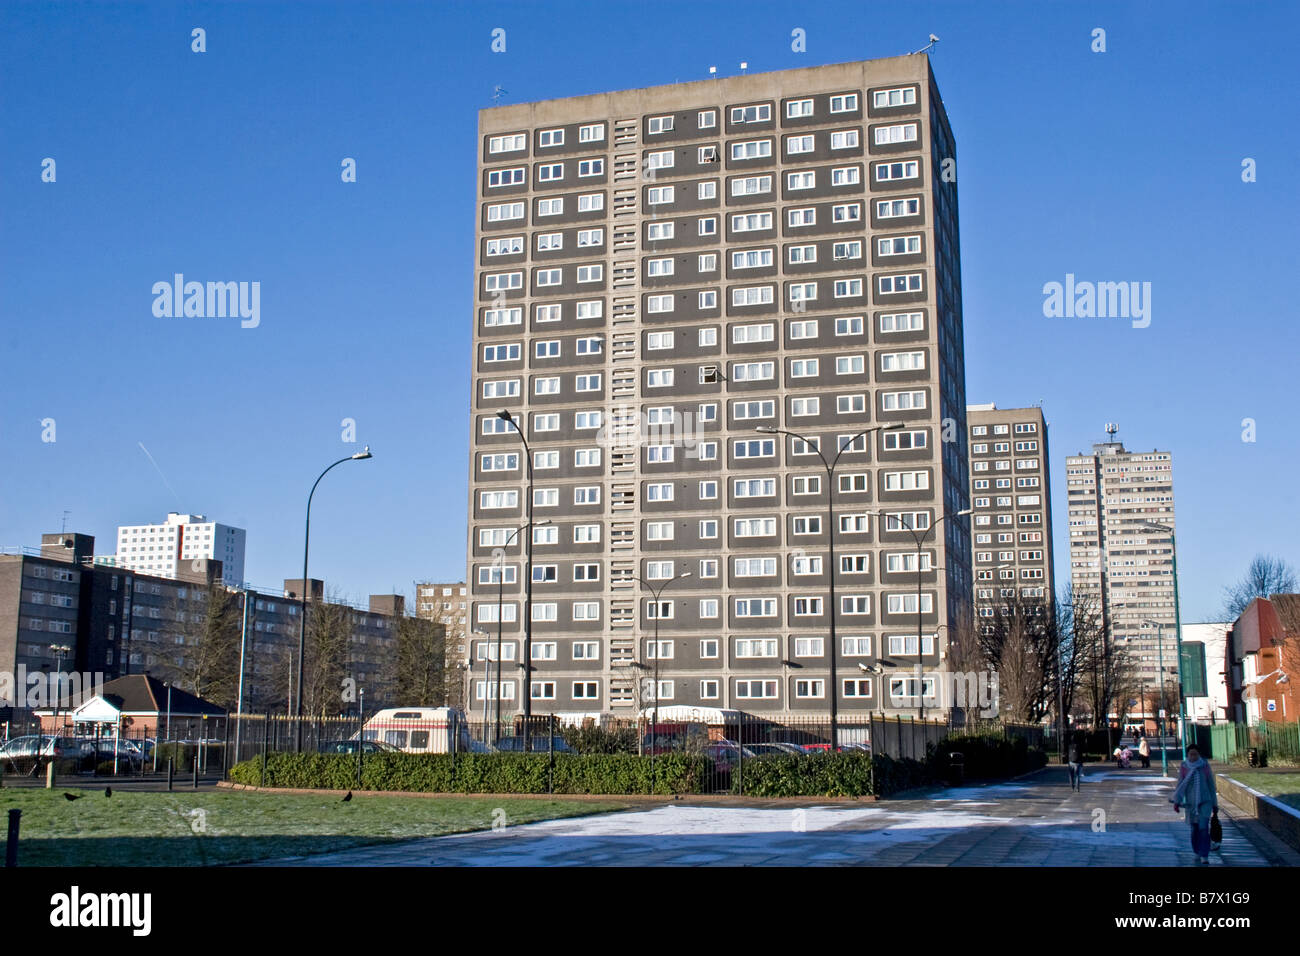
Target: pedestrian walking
pixel 1075 758
pixel 1144 751
pixel 1197 797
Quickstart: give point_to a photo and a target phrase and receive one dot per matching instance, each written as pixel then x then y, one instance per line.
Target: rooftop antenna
pixel 497 93
pixel 65 522
pixel 928 47
pixel 1111 429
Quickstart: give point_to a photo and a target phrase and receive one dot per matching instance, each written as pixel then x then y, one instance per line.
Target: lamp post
pixel 59 650
pixel 654 714
pixel 486 676
pixel 834 693
pixel 239 700
pixel 1178 629
pixel 501 578
pixel 505 416
pixel 918 537
pixel 1160 658
pixel 302 612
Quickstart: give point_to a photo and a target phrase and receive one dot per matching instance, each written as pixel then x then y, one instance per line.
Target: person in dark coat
pixel 1074 757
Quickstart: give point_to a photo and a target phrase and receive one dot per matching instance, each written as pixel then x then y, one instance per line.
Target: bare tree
pixel 416 669
pixel 206 659
pixel 1266 576
pixel 1019 641
pixel 329 628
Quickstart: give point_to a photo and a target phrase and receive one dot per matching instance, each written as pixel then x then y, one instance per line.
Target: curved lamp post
pixel 918 537
pixel 834 693
pixel 1178 631
pixel 302 612
pixel 505 416
pixel 654 719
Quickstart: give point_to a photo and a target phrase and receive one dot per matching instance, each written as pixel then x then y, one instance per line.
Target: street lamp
pixel 506 417
pixel 1178 629
pixel 919 538
pixel 654 714
pixel 302 612
pixel 59 650
pixel 1160 658
pixel 486 675
pixel 834 693
pixel 239 700
pixel 501 579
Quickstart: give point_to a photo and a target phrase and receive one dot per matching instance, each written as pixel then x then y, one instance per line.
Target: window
pixel 505 388
pixel 804 368
pixel 898 133
pixel 504 247
pixel 844 103
pixel 586 572
pixel 501 353
pixel 660 195
pixel 754 447
pixel 800 407
pixel 847 288
pixel 742 334
pixel 752 149
pixel 803 329
pixel 751 295
pixel 706 119
pixel 707 190
pixel 586 689
pixel 752 689
pixel 907 480
pixel 550 171
pixel 591 310
pixel 849 364
pixel 662 159
pixel 803 291
pixel 659 378
pixel 753 527
pixel 659 124
pixel 586 610
pixel 899 441
pixel 902 322
pixel 895 208
pixel 799 144
pixel 757 647
pixel 547 277
pixel 848 250
pixel 550 137
pixel 889 172
pixel 893 284
pixel 586 650
pixel 593 273
pixel 591 202
pixel 506 144
pixel 708 226
pixel 751 222
pixel 503 281
pixel 846 176
pixel 844 139
pixel 751 258
pixel 659 267
pixel 708 262
pixel 594 133
pixel 586 457
pixel 751 114
pixel 807 607
pixel 798 108
pixel 902 361
pixel 801 217
pixel 904 96
pixel 799 254
pixel 751 185
pixel 898 246
pixel 550 241
pixel 802 180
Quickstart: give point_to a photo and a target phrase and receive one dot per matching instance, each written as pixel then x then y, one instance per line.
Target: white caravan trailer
pixel 420 730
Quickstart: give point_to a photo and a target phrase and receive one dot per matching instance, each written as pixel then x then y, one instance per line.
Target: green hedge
pixel 480 773
pixel 822 775
pixel 985 758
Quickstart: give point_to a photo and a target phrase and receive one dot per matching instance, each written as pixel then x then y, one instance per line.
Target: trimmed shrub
pixel 479 773
pixel 821 774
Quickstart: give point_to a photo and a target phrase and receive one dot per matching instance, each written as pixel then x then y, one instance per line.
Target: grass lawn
pixel 1282 786
pixel 222 826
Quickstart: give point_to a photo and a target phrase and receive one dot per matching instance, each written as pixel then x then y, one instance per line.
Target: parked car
pixel 478 747
pixel 350 747
pixel 535 745
pixel 768 750
pixel 725 754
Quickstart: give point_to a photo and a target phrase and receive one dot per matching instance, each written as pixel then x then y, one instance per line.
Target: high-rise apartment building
pixel 1113 496
pixel 161 548
pixel 1011 496
pixel 660 273
pixel 448 604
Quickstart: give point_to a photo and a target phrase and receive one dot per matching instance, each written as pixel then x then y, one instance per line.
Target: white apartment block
pixel 1112 494
pixel 162 548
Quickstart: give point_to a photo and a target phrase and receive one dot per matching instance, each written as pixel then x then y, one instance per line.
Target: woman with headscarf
pixel 1196 795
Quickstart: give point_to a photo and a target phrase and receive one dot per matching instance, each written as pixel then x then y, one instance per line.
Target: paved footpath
pixel 1119 818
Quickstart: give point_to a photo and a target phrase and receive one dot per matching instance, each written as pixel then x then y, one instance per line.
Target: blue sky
pixel 1123 165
